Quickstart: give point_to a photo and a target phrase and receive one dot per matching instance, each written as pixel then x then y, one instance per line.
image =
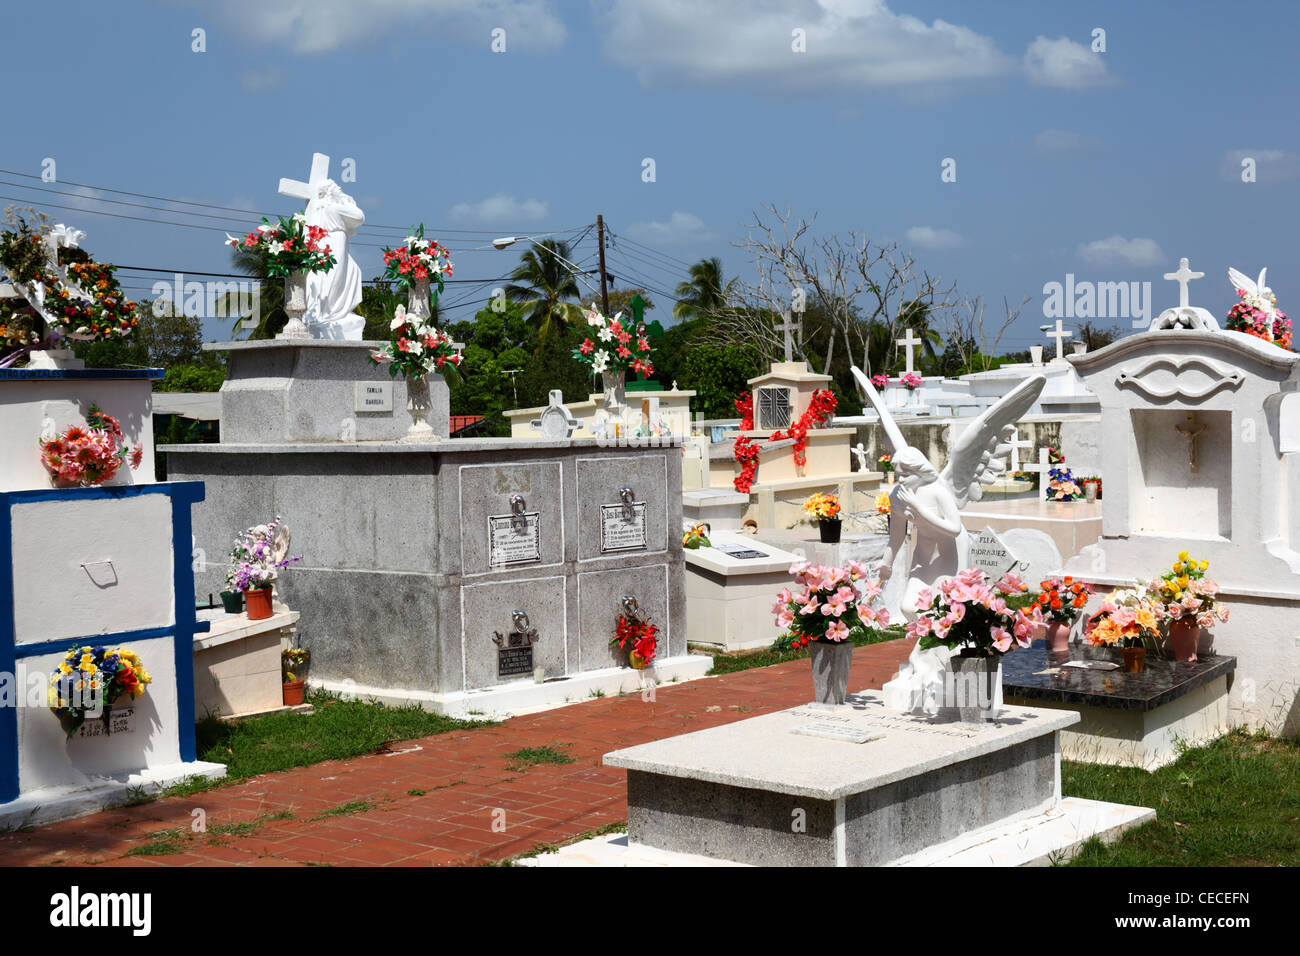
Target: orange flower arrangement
pixel 1060 599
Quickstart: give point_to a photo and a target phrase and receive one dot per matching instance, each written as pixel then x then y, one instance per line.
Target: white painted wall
pixel 55 597
pixel 47 759
pixel 25 404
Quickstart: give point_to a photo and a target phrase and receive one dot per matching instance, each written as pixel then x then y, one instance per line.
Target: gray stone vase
pixel 830 667
pixel 972 689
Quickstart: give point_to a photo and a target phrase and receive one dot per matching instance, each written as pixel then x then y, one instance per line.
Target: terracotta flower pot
pixel 1135 659
pixel 1058 638
pixel 830 530
pixel 295 692
pixel 1184 636
pixel 258 603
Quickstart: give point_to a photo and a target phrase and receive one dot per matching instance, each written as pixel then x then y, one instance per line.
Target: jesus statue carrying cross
pixel 332 295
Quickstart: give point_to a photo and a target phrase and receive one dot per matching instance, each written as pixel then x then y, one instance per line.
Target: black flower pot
pixel 830 530
pixel 232 601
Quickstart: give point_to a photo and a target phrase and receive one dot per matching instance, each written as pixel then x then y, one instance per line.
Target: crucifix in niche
pixel 1191 430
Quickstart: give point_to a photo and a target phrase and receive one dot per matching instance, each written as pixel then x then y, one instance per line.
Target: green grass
pixel 532 756
pixel 1235 802
pixel 346 809
pixel 747 660
pixel 337 730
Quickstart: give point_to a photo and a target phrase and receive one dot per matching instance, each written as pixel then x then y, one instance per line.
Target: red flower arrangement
pixel 83 457
pixel 745 405
pixel 640 635
pixel 746 452
pixel 819 412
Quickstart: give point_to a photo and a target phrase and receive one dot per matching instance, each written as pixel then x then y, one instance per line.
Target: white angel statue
pixel 930 501
pixel 1256 294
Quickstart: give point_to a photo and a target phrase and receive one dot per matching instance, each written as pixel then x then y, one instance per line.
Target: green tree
pixel 703 292
pixel 620 300
pixel 170 337
pixel 544 284
pixel 191 378
pixel 718 374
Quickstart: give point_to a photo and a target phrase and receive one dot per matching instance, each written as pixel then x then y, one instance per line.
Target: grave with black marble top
pixel 1128 719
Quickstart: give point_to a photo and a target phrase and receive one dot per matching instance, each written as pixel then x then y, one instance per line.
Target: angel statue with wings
pixel 929 502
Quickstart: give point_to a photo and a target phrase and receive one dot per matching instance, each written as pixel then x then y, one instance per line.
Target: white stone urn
pixel 417 301
pixel 419 402
pixel 614 382
pixel 54 359
pixel 295 306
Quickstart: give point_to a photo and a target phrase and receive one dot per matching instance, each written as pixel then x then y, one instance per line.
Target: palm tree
pixel 252 262
pixel 547 282
pixel 703 292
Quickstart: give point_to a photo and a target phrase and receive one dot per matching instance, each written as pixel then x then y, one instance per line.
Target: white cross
pixel 908 341
pixel 1060 335
pixel 1183 276
pixel 1016 444
pixel 788 326
pixel 1042 468
pixel 320 171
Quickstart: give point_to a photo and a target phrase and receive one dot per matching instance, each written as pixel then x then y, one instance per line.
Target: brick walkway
pixel 362 811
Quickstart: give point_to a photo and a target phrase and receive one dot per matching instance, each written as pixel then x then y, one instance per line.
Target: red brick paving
pixel 464 774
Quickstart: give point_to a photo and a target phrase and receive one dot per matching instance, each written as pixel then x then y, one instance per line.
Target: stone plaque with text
pixel 514 539
pixel 622 527
pixel 990 554
pixel 121 720
pixel 374 396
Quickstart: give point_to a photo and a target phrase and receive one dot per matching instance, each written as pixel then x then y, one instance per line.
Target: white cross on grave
pixel 1042 468
pixel 555 420
pixel 786 327
pixel 909 342
pixel 1060 335
pixel 320 171
pixel 1183 276
pixel 1016 444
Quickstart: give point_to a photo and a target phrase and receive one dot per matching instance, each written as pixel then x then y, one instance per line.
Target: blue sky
pixel 1107 165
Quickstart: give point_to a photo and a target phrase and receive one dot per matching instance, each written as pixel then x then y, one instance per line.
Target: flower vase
pixel 232 601
pixel 295 306
pixel 258 603
pixel 974 691
pixel 417 301
pixel 1184 638
pixel 615 400
pixel 829 528
pixel 419 401
pixel 830 668
pixel 1058 638
pixel 1135 659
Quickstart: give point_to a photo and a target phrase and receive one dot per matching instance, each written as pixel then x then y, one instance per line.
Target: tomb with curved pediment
pixel 1202 434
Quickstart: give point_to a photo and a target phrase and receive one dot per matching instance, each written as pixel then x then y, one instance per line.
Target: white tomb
pixel 1203 454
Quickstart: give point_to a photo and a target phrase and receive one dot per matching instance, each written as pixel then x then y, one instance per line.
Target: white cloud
pixel 1064 64
pixel 849 45
pixel 322 26
pixel 1271 165
pixel 1118 251
pixel 499 210
pixel 259 80
pixel 678 228
pixel 929 238
pixel 1064 141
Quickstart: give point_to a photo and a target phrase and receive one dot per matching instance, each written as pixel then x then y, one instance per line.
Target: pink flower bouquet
pixel 832 604
pixel 969 611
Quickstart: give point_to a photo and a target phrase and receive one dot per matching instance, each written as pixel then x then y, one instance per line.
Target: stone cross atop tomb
pixel 1183 276
pixel 909 342
pixel 1060 334
pixel 788 327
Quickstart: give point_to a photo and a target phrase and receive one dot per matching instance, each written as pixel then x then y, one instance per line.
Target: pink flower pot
pixel 1183 639
pixel 1058 638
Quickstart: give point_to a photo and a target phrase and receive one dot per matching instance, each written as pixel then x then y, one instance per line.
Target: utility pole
pixel 600 240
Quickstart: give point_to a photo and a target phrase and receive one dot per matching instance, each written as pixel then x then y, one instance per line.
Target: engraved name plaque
pixel 374 396
pixel 515 650
pixel 514 539
pixel 121 720
pixel 623 527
